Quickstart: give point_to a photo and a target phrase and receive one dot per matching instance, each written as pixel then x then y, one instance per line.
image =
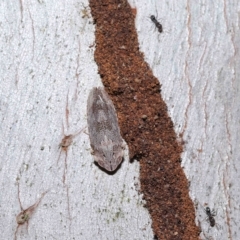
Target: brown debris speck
pixel 151 139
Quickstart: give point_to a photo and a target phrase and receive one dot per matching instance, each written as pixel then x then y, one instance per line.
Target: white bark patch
pixel 46 60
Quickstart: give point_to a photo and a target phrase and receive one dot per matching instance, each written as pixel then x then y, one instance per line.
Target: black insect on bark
pixel 211 215
pixel 104 133
pixel 157 23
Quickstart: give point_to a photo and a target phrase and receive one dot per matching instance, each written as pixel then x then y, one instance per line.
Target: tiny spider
pixel 65 143
pixel 85 12
pixel 24 216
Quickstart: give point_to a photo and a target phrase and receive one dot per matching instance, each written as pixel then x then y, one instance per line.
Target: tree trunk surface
pixel 47 71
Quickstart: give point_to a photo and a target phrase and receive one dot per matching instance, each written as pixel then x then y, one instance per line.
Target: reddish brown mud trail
pixel 143 119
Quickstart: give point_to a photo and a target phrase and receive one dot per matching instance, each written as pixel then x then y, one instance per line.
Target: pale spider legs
pixel 85 12
pixel 65 143
pixel 25 214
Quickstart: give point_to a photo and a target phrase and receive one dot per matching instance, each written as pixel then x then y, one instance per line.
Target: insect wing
pixel 103 128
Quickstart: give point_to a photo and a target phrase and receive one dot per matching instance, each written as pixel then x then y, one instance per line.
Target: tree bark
pixel 47 70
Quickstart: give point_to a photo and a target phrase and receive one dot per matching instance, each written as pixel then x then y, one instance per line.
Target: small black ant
pixel 211 215
pixel 157 24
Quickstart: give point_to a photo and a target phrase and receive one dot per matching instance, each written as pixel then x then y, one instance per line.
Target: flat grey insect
pixel 104 133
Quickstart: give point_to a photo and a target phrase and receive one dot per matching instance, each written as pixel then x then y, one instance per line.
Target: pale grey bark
pixel 47 70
